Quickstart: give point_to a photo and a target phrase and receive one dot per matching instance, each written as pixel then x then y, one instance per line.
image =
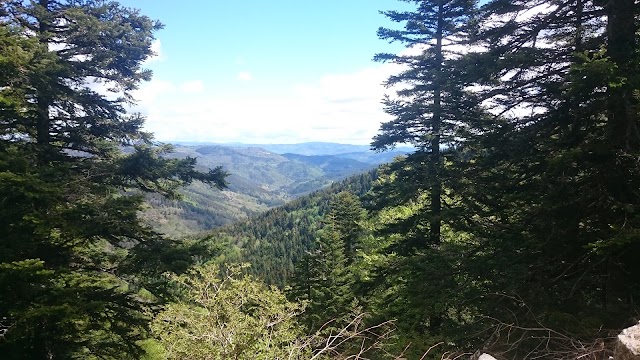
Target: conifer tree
pixel 552 193
pixel 73 253
pixel 347 214
pixel 429 112
pixel 434 112
pixel 323 280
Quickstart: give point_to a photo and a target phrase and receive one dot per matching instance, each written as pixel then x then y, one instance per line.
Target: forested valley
pixel 513 228
pixel 259 180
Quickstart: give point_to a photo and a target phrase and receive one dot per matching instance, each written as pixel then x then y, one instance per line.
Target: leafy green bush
pixel 229 316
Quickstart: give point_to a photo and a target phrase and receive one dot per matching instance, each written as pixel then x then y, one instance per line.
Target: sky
pixel 266 71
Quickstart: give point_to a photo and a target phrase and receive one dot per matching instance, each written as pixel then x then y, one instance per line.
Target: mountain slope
pixel 306 148
pixel 333 166
pixel 259 180
pixel 272 242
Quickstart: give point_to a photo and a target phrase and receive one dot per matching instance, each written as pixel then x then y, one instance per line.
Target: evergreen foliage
pixel 273 242
pixel 431 110
pixel 539 194
pixel 70 240
pixel 517 214
pixel 552 182
pixel 346 216
pixel 323 278
pixel 325 281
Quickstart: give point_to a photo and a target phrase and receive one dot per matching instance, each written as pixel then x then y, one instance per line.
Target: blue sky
pixel 258 71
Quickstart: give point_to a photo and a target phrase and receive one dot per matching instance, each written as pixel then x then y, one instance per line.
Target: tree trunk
pixel 43 99
pixel 621 33
pixel 436 161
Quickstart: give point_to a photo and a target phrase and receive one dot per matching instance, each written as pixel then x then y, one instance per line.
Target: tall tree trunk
pixel 621 33
pixel 43 99
pixel 436 161
pixel 579 25
pixel 436 317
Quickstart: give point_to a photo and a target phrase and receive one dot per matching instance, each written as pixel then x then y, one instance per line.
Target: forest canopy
pixel 512 227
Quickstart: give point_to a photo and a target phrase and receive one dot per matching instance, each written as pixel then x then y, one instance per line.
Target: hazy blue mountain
pixel 259 180
pixel 374 158
pixel 313 148
pixel 334 166
pixel 306 148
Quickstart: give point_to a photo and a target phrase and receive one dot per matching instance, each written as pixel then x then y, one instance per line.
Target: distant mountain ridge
pixel 304 148
pixel 260 180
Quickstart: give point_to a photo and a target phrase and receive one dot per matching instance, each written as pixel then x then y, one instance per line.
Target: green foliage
pixel 273 242
pixel 538 195
pixel 227 316
pixel 546 189
pixel 71 243
pixel 520 205
pixel 346 215
pixel 67 314
pixel 260 180
pixel 432 109
pixel 324 281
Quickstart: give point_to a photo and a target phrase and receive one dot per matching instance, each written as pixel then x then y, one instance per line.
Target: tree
pixel 550 187
pixel 85 42
pixel 430 111
pixel 323 280
pixel 434 112
pixel 71 243
pixel 539 189
pixel 347 214
pixel 229 317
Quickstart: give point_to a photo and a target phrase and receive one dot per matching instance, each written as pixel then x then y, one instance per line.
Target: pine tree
pixel 541 192
pixel 429 112
pixel 347 214
pixel 73 253
pixel 322 280
pixel 550 188
pixel 434 112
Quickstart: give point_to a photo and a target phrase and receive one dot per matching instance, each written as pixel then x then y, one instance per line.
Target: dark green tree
pixel 550 188
pixel 323 280
pixel 347 214
pixel 429 111
pixel 72 249
pixel 540 192
pixel 434 112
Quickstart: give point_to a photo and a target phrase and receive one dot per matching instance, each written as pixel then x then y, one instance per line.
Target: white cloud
pixel 244 76
pixel 156 47
pixel 196 86
pixel 344 108
pixel 337 107
pixel 147 95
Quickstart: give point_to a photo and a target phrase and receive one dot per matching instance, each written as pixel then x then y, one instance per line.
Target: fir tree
pixel 434 112
pixel 72 249
pixel 322 280
pixel 549 188
pixel 429 112
pixel 347 214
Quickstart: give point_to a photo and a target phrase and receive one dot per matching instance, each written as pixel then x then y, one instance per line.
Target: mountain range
pixel 261 177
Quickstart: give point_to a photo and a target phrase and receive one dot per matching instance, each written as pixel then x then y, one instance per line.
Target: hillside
pixel 259 180
pixel 276 239
pixel 358 152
